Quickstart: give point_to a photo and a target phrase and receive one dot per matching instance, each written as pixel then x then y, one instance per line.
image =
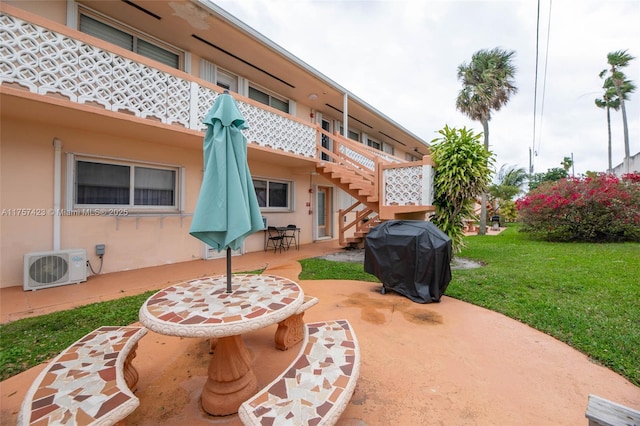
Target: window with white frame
pixel 409 157
pixel 353 135
pixel 273 194
pixel 127 38
pixel 227 80
pixel 216 75
pixel 268 99
pixel 98 182
pixel 388 148
pixel 374 144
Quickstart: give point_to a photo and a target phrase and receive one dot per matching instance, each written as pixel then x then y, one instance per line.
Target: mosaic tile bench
pixel 316 388
pixel 89 383
pixel 291 330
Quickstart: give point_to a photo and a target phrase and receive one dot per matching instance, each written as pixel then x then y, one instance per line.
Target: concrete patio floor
pixel 449 363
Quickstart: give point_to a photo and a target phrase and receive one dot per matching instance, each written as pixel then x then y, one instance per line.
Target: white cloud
pixel 401 57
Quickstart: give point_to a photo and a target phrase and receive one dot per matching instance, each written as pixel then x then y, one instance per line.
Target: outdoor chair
pixel 290 236
pixel 274 239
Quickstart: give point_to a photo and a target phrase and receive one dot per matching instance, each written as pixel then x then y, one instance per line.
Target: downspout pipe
pixel 345 114
pixel 57 175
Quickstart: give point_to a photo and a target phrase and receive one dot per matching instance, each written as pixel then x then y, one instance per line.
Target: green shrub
pixel 507 210
pixel 603 208
pixel 463 170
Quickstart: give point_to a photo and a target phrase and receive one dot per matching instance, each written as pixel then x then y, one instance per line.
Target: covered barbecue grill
pixel 410 257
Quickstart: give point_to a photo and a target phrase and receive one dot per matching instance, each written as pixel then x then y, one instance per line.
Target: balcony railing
pixel 47 58
pixel 50 62
pixel 406 186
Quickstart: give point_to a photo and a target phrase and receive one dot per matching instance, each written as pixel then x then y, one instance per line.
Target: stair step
pixel 345 177
pixel 366 193
pixel 360 183
pixel 363 190
pixel 326 168
pixel 363 187
pixel 348 180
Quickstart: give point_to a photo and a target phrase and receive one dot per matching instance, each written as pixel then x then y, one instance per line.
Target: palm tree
pixel 609 101
pixel 512 176
pixel 509 183
pixel 617 60
pixel 567 163
pixel 487 83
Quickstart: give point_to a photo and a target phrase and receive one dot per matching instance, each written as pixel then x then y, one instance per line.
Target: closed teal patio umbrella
pixel 227 210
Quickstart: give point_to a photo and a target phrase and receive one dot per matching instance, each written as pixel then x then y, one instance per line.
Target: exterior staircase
pixel 358 186
pixel 364 191
pixel 360 171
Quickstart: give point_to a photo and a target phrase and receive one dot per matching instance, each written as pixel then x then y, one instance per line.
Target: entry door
pixel 326 142
pixel 323 217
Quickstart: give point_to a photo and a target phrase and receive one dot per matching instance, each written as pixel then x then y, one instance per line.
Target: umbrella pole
pixel 228 269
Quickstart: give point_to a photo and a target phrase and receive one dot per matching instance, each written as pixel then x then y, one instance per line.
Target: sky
pixel 402 56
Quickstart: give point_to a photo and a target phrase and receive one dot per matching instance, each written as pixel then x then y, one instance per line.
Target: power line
pixel 538 132
pixel 535 93
pixel 544 79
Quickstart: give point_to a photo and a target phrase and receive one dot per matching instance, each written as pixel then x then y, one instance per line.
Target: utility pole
pixel 572 167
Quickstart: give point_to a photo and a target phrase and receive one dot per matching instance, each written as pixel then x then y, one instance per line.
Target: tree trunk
pixel 483 196
pixel 610 169
pixel 627 153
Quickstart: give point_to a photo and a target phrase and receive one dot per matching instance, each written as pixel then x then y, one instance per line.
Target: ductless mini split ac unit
pixel 54 268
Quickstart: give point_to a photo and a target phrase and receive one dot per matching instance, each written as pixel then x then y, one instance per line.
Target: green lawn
pixel 30 341
pixel 586 295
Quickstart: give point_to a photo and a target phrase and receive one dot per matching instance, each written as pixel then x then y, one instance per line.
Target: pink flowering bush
pixel 603 208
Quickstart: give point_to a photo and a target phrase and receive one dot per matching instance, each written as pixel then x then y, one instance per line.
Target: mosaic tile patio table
pixel 203 308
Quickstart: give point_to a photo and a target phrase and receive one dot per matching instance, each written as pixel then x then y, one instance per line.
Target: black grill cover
pixel 410 257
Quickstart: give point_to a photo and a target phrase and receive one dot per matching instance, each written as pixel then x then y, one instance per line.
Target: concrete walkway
pixel 449 363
